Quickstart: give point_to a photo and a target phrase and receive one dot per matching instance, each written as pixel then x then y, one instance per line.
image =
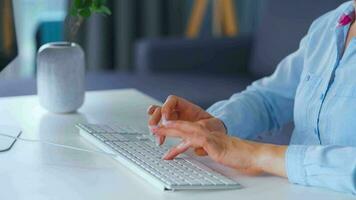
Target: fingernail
pixel 158 141
pixel 153 128
pixel 149 108
pixel 151 132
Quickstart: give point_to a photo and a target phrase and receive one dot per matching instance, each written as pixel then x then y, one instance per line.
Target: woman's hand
pixel 229 151
pixel 176 108
pixel 198 129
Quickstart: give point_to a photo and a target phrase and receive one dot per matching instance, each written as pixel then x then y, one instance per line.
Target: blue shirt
pixel 315 87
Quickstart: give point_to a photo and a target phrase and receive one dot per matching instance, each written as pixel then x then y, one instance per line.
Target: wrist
pixel 242 155
pixel 261 156
pixel 270 158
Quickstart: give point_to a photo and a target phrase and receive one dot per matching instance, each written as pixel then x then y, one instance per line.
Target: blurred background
pixel 109 40
pixel 202 50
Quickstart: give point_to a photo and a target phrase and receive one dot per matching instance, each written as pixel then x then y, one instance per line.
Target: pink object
pixel 345 20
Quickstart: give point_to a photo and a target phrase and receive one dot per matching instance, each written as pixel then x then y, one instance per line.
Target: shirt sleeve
pixel 265 105
pixel 332 167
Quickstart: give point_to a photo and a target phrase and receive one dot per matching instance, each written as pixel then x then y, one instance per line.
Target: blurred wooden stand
pixel 225 21
pixel 6 27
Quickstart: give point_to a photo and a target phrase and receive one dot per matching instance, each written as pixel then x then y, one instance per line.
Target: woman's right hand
pixel 177 108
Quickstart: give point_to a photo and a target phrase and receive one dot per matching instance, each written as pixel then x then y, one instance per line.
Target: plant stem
pixel 73 25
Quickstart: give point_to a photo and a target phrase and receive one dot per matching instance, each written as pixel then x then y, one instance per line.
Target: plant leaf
pixel 78 4
pixel 104 10
pixel 96 4
pixel 87 3
pixel 85 8
pixel 85 12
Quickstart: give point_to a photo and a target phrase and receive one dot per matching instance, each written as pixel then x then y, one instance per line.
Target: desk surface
pixel 37 171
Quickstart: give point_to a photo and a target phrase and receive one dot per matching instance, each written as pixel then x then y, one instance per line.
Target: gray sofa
pixel 229 65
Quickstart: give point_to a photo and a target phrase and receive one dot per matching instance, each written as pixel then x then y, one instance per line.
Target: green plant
pixel 85 8
pixel 81 10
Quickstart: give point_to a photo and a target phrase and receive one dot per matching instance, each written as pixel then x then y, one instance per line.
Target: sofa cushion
pixel 206 55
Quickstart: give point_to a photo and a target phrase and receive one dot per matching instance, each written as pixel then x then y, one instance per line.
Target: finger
pixel 171 132
pixel 174 105
pixel 161 139
pixel 195 132
pixel 181 129
pixel 169 106
pixel 178 104
pixel 175 151
pixel 151 109
pixel 184 126
pixel 200 152
pixel 155 118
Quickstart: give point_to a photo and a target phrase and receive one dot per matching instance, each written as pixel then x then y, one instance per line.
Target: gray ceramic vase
pixel 60 77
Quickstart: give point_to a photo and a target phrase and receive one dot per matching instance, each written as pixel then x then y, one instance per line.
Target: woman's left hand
pixel 229 151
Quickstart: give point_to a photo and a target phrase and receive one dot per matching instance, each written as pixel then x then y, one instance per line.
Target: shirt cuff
pixel 295 164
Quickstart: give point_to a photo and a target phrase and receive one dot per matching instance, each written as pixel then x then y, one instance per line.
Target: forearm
pixel 254 158
pixel 333 167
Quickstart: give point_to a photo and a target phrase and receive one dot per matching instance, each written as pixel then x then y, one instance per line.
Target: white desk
pixel 36 171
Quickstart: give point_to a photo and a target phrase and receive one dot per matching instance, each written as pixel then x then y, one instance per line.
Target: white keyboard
pixel 137 151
